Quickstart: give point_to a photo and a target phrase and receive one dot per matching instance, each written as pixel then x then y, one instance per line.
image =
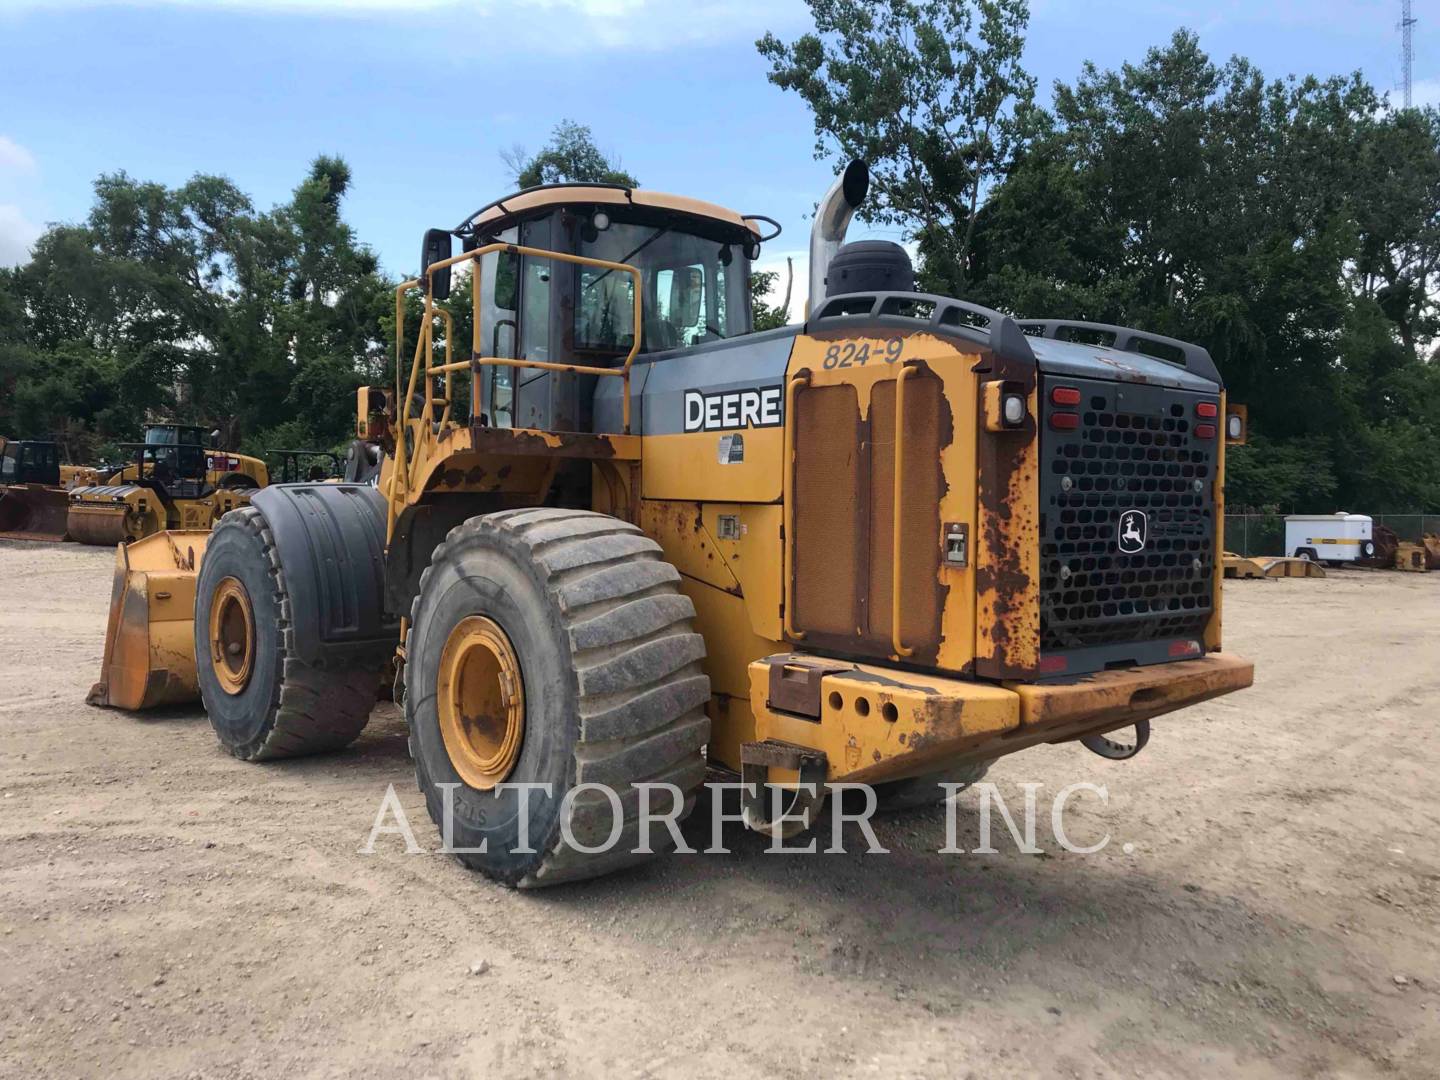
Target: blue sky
pixel 421 96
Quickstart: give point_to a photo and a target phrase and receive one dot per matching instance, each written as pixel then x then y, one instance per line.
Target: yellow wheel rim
pixel 232 635
pixel 481 702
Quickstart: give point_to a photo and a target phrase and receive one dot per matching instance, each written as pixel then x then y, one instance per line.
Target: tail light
pixel 1204 431
pixel 1064 421
pixel 1065 395
pixel 1207 410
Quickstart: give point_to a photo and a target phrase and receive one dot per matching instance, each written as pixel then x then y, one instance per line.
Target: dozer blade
pixel 33 512
pixel 112 514
pixel 150 639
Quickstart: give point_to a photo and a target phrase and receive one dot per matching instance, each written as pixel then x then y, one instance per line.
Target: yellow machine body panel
pixel 847 582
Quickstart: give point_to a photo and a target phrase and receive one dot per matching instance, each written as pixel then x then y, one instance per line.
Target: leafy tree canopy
pixel 930 92
pixel 190 303
pixel 570 156
pixel 1290 226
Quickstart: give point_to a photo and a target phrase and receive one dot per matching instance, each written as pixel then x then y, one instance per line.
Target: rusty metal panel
pixel 926 430
pixel 1007 544
pixel 829 549
pixel 939 630
pixel 795 683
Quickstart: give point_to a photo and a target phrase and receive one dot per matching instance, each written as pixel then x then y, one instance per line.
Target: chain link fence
pixel 1264 534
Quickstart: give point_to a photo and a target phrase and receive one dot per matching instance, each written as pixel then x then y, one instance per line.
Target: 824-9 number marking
pixel 858 353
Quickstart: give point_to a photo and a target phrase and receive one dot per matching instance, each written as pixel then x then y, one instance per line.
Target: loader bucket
pixel 150 638
pixel 33 512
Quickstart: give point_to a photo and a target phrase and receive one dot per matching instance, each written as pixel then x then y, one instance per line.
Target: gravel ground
pixel 1267 904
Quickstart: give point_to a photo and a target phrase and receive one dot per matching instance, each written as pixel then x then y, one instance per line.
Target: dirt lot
pixel 168 911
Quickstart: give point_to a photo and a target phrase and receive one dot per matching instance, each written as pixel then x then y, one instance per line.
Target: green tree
pixel 570 156
pixel 931 93
pixel 769 316
pixel 189 303
pixel 1289 226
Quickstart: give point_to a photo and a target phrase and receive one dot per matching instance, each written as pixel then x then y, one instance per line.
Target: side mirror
pixel 687 289
pixel 436 249
pixel 1237 425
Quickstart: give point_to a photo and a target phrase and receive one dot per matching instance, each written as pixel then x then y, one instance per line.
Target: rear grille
pixel 1134 450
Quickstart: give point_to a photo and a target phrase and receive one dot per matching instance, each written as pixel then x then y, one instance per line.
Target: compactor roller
pixel 110 514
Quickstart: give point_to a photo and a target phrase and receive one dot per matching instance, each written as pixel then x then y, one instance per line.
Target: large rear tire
pixel 551 646
pixel 265 702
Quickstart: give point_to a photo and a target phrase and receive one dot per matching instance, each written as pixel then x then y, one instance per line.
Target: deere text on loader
pixel 617 538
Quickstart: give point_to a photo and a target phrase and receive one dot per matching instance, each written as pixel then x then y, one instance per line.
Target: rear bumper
pixel 1119 698
pixel 876 724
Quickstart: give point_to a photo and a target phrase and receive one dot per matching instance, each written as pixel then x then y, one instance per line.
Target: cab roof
pixel 546 195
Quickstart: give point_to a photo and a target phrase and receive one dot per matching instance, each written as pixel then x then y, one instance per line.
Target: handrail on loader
pixel 424 429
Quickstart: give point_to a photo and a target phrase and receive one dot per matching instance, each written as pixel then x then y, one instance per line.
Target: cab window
pixel 693 289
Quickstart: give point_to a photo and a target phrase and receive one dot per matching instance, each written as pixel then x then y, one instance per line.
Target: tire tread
pixel 635 658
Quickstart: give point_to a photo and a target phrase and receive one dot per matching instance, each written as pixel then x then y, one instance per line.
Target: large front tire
pixel 552 647
pixel 263 701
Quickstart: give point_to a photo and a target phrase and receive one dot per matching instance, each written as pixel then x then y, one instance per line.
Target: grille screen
pixel 1134 450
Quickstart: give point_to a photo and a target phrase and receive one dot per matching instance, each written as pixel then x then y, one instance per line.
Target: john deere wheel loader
pixel 617 538
pixel 177 481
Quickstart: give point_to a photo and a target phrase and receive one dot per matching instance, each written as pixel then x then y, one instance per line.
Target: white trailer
pixel 1338 537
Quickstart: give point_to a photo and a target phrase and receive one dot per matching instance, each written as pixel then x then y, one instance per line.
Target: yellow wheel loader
pixel 616 538
pixel 177 481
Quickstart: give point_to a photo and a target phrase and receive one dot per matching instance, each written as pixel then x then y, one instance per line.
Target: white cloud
pixel 14 157
pixel 585 25
pixel 17 234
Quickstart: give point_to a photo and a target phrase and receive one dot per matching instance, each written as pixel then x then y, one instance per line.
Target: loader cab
pixel 30 462
pixel 694 261
pixel 174 456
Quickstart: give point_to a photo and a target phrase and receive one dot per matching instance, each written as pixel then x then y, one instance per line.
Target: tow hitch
pixel 1115 751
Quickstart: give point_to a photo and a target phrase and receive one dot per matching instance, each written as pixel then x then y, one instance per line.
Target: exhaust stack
pixel 832 218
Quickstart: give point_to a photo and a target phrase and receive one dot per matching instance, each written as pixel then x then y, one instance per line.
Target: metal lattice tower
pixel 1407 47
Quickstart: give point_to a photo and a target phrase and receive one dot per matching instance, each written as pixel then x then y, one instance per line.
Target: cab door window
pixel 500 328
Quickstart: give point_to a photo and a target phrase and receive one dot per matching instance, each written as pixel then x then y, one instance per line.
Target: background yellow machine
pixel 177 481
pixel 615 537
pixel 33 489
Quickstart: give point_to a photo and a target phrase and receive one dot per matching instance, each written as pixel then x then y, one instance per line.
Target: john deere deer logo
pixel 1133 527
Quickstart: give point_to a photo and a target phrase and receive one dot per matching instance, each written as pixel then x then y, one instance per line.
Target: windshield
pixel 694 289
pixel 169 436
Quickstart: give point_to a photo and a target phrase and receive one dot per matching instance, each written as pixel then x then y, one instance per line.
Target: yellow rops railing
pixel 421 428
